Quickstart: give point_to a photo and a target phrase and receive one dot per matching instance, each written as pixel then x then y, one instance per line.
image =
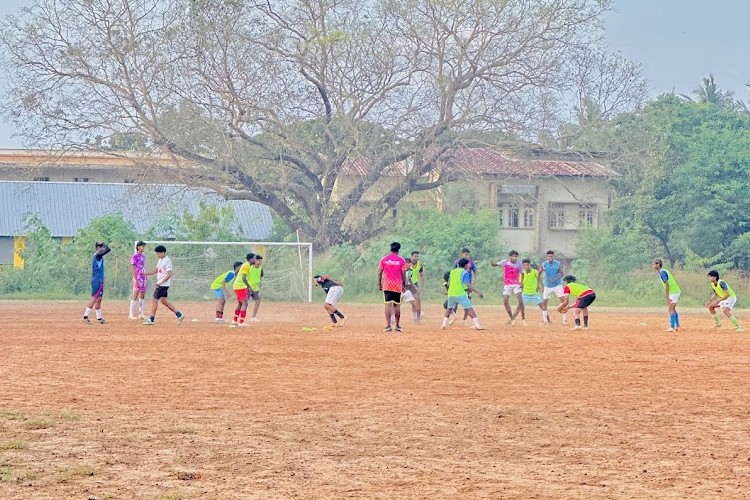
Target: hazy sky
pixel 677 41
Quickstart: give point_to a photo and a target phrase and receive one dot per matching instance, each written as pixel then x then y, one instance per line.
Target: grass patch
pixel 75 472
pixel 14 444
pixel 35 424
pixel 8 414
pixel 181 429
pixel 172 495
pixel 7 475
pixel 69 415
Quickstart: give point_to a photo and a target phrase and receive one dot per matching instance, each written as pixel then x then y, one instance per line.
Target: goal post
pixel 287 267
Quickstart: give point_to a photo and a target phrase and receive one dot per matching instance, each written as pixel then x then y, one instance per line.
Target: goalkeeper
pixel 584 296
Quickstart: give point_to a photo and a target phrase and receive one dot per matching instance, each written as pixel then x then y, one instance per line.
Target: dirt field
pixel 204 411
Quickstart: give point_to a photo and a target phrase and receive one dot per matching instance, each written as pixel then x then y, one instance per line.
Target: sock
pixel 717 320
pixel 219 314
pixel 676 320
pixel 565 317
pixel 86 312
pixel 585 321
pixel 445 321
pixel 578 322
pixel 333 318
pixel 545 315
pixel 338 313
pixel 98 314
pixel 152 318
pixel 132 307
pixel 243 315
pixel 236 314
pixel 178 314
pixel 734 320
pixel 475 321
pixel 142 306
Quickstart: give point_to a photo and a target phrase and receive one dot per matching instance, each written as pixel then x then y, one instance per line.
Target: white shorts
pixel 511 289
pixel 334 294
pixel 557 290
pixel 674 297
pixel 408 296
pixel 729 302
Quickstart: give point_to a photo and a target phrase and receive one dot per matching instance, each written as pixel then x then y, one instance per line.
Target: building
pixel 66 207
pixel 543 200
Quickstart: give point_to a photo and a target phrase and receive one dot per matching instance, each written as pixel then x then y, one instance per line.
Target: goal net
pixel 287 267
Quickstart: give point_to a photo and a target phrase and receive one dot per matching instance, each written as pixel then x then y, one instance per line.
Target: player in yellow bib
pixel 584 296
pixel 242 291
pixel 722 297
pixel 459 284
pixel 530 289
pixel 219 288
pixel 255 274
pixel 672 294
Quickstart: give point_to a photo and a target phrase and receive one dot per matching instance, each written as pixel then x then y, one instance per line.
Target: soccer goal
pixel 287 267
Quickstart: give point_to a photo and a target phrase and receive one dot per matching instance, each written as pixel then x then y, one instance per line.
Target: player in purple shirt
pixel 140 282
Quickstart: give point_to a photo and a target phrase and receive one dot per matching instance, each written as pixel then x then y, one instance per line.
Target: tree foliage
pixel 276 101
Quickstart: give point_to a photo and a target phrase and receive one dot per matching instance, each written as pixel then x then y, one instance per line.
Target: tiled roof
pixel 482 161
pixel 66 207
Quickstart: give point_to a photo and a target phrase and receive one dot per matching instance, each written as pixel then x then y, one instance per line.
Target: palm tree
pixel 710 93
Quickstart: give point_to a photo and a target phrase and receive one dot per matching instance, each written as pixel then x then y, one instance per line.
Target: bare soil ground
pixel 623 410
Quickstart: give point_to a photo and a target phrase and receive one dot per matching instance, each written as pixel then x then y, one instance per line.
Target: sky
pixel 678 42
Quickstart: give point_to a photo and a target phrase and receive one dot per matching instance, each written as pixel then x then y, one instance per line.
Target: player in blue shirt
pixel 552 271
pixel 97 282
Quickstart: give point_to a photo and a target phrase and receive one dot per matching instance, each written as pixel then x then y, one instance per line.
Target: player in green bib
pixel 530 290
pixel 584 296
pixel 415 285
pixel 671 292
pixel 722 297
pixel 254 276
pixel 459 283
pixel 219 288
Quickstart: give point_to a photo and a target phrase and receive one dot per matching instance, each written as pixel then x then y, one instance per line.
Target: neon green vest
pixel 673 287
pixel 415 272
pixel 576 289
pixel 717 288
pixel 253 277
pixel 531 282
pixel 455 287
pixel 216 285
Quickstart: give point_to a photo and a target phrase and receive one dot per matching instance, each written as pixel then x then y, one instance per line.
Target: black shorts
pixel 584 302
pixel 389 296
pixel 255 295
pixel 161 292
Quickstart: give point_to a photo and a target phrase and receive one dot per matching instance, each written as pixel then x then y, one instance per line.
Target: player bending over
pixel 671 292
pixel 724 298
pixel 584 296
pixel 242 291
pixel 459 284
pixel 334 290
pixel 219 287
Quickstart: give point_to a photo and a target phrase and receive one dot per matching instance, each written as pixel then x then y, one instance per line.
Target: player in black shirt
pixel 334 290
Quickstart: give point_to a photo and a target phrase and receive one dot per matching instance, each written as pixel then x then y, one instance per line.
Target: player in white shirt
pixel 163 274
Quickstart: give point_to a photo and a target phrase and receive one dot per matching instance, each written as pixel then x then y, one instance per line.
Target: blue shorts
pixel 533 299
pixel 463 301
pixel 97 289
pixel 219 294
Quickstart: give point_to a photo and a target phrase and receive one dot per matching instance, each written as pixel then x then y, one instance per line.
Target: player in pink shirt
pixel 512 270
pixel 391 279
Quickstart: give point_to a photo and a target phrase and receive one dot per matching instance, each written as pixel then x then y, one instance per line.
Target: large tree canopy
pixel 276 99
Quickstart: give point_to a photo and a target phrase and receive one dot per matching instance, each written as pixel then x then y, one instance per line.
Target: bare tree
pixel 328 111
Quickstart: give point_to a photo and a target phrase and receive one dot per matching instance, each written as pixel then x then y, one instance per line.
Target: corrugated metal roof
pixel 483 161
pixel 66 207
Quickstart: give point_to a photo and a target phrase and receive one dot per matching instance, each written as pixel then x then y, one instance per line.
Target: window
pixel 517 214
pixel 80 179
pixel 586 215
pixel 556 216
pixel 516 205
pixel 41 179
